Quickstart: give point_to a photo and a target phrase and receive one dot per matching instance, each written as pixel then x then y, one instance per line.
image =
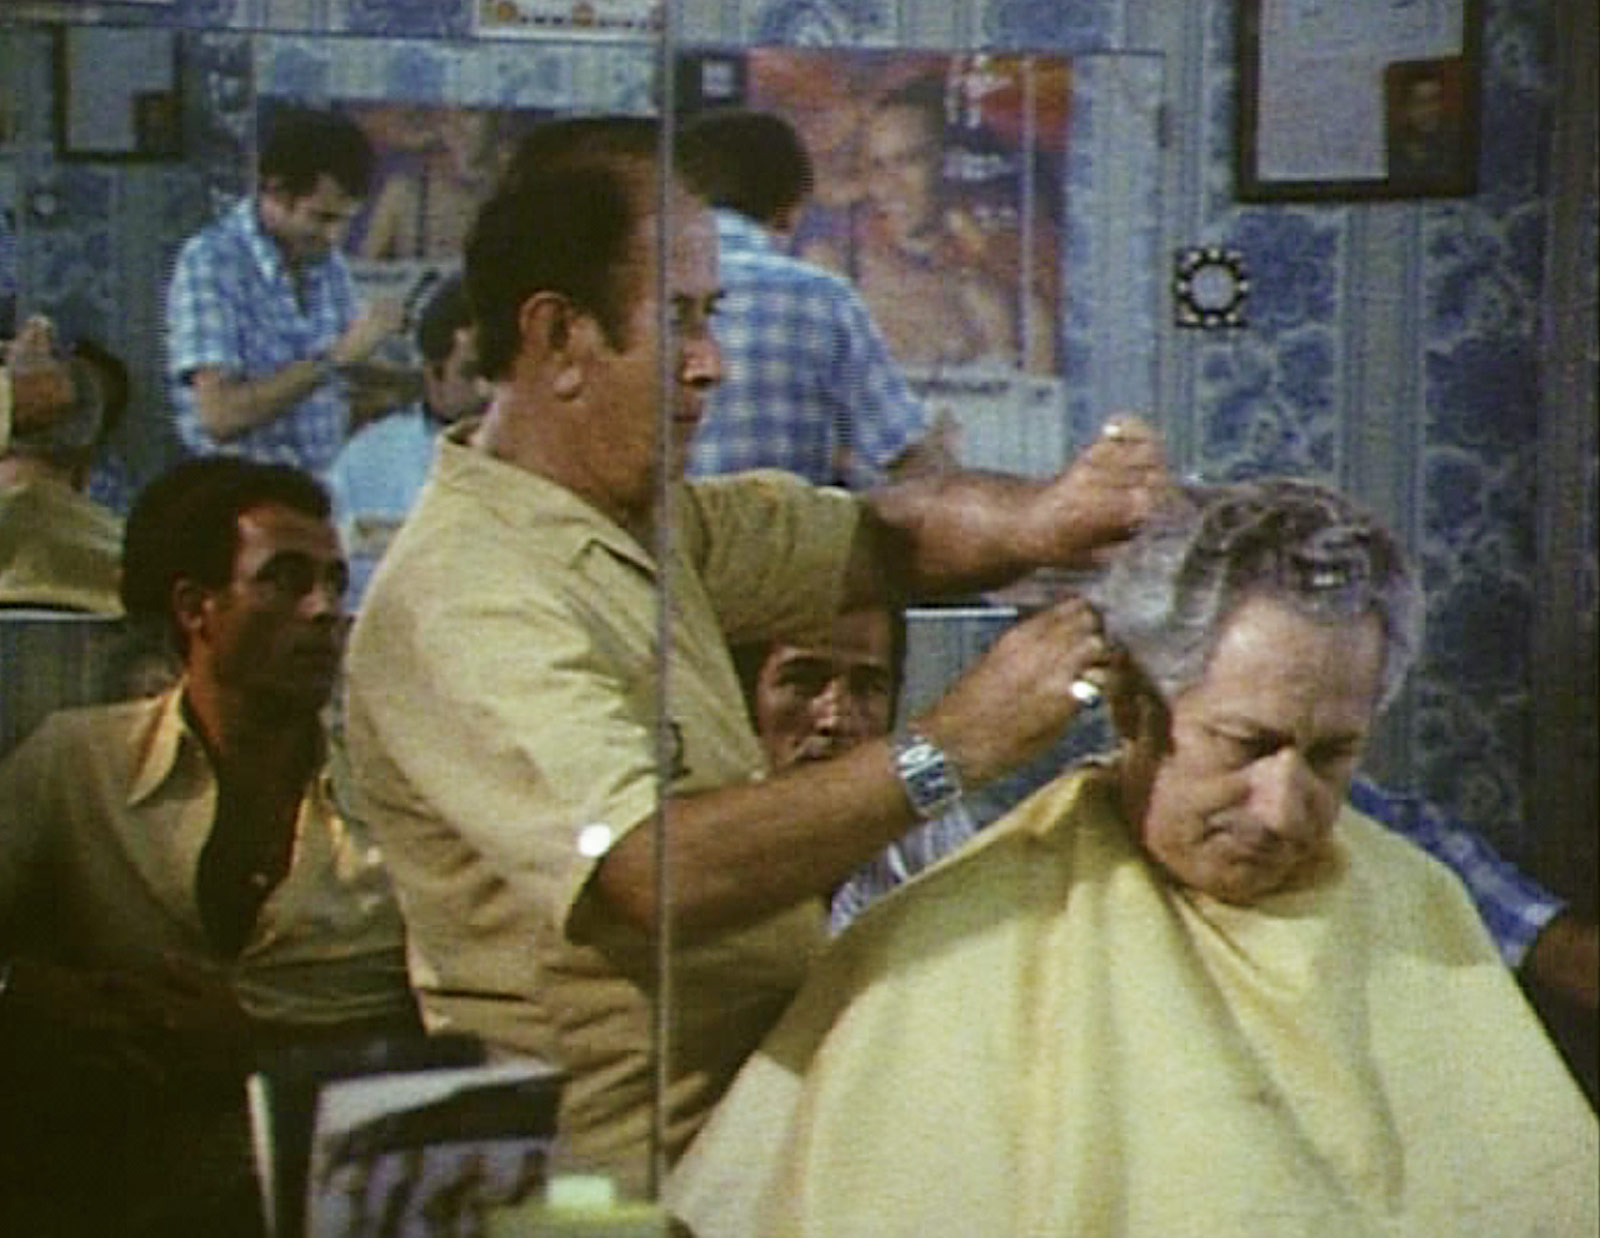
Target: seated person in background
pixel 813 701
pixel 59 549
pixel 377 475
pixel 177 889
pixel 808 383
pixel 36 387
pixel 1186 990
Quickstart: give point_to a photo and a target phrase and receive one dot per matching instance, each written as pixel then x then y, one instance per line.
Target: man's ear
pixel 188 604
pixel 1137 709
pixel 784 222
pixel 553 332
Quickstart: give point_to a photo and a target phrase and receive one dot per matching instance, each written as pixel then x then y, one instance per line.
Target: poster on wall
pixel 940 194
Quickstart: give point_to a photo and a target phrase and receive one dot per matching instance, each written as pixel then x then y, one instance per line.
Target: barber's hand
pixel 1016 699
pixel 376 323
pixel 1104 494
pixel 41 381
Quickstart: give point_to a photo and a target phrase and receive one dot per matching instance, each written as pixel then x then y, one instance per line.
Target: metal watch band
pixel 931 783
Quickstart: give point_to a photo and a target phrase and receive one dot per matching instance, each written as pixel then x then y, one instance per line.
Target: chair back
pixel 51 660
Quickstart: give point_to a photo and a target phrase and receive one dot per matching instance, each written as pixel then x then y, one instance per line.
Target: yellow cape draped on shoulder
pixel 1043 1036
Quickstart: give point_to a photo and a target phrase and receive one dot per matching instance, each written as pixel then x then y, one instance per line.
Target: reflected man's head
pixel 452 386
pixel 314 171
pixel 814 699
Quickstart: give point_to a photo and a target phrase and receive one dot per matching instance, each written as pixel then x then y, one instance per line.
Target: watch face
pixel 929 778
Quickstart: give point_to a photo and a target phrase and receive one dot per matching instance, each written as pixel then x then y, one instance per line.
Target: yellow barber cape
pixel 1044 1037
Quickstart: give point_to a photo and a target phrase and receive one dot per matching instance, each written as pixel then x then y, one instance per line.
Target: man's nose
pixel 1283 796
pixel 325 598
pixel 702 359
pixel 836 711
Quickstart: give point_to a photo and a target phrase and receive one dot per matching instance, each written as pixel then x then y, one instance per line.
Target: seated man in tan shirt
pixel 178 889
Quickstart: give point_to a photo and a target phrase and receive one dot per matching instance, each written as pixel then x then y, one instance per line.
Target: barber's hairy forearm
pixel 747 851
pixel 741 853
pixel 229 406
pixel 958 530
pixel 947 533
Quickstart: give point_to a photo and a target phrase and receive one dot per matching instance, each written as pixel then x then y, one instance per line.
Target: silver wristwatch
pixel 929 777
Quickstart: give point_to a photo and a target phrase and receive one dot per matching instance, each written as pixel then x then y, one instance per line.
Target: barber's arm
pixel 744 852
pixel 962 530
pixel 740 853
pixel 1566 959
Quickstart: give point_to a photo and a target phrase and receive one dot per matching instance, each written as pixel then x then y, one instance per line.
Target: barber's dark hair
pixel 1168 594
pixel 301 144
pixel 565 219
pixel 746 161
pixel 750 657
pixel 446 311
pixel 184 525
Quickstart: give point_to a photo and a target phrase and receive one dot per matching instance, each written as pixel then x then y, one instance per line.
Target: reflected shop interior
pixel 1122 230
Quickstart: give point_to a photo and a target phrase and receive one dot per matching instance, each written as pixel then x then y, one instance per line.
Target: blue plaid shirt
pixel 1514 908
pixel 807 375
pixel 231 304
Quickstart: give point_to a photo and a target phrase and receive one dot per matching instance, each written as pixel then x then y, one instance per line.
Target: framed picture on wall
pixel 117 93
pixel 1342 101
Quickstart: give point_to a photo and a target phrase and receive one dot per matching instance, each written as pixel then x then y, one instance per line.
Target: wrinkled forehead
pixel 857 639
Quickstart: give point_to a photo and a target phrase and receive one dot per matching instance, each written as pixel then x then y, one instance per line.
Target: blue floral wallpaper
pixel 1395 347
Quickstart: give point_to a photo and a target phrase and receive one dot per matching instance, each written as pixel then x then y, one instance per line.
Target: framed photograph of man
pixel 1428 135
pixel 1337 102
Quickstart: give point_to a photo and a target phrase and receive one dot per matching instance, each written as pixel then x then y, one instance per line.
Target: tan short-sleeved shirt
pixel 103 814
pixel 502 702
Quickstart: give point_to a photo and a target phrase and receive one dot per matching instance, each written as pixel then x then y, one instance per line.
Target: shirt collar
pixel 166 739
pixel 564 522
pixel 266 252
pixel 738 234
pixel 170 738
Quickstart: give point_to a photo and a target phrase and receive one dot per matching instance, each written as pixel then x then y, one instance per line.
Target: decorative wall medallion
pixel 1210 286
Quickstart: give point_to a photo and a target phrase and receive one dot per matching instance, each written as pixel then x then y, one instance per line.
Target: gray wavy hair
pixel 1167 595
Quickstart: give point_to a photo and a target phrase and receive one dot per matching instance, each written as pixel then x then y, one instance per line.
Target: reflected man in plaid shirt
pixel 268 346
pixel 809 385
